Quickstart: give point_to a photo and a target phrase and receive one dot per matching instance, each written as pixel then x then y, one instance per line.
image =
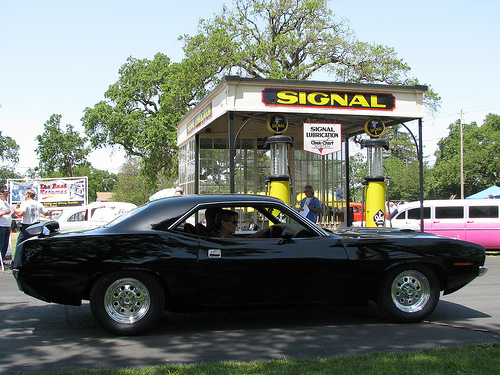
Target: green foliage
pixel 481 162
pixel 357 172
pixel 402 165
pixel 404 183
pixel 131 186
pixel 9 149
pixel 290 39
pixel 141 110
pixel 7 173
pixel 59 152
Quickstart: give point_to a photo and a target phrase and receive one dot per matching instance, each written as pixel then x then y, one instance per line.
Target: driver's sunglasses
pixel 235 222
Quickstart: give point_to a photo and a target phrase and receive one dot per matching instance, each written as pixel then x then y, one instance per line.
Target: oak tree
pixel 60 151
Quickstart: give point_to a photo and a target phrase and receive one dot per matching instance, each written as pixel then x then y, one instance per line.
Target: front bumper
pixel 482 271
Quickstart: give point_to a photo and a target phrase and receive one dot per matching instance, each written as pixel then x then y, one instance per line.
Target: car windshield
pixel 56 215
pixel 125 216
pixel 393 214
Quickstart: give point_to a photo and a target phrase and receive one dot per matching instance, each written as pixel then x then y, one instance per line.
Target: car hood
pixel 362 232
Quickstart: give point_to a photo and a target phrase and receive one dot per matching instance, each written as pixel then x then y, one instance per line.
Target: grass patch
pixel 13 238
pixel 13 242
pixel 470 359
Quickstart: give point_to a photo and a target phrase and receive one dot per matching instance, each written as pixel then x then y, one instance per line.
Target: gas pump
pixel 278 183
pixel 375 185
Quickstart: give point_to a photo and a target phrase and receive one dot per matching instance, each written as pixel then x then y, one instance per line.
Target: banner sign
pixel 51 192
pixel 322 139
pixel 329 99
pixel 200 118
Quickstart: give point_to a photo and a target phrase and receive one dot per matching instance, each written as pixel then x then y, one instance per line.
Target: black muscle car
pixel 168 255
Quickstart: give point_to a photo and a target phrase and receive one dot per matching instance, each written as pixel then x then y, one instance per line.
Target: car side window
pixel 78 216
pixel 253 222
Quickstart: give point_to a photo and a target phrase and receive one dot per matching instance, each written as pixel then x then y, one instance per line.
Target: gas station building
pixel 224 141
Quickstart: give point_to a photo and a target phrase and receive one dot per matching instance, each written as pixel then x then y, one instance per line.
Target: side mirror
pixel 44 229
pixel 286 236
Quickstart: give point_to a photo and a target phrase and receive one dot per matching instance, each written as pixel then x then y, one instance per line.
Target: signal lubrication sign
pixel 322 139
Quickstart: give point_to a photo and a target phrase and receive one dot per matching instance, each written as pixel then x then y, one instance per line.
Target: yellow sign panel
pixel 330 99
pixel 277 124
pixel 374 127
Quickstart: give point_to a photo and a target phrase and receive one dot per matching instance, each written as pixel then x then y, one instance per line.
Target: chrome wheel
pixel 127 300
pixel 410 291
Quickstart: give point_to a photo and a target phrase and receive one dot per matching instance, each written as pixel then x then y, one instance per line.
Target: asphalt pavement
pixel 37 336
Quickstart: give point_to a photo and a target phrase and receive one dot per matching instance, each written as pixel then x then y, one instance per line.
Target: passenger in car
pixel 227 222
pixel 211 217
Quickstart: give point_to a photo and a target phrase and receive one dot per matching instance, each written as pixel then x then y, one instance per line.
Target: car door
pixel 271 270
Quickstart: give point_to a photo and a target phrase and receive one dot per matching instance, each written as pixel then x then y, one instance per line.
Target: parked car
pixel 358 211
pixel 91 216
pixel 474 220
pixel 164 256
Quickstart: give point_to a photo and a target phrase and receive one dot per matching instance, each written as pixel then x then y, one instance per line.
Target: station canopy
pixel 255 99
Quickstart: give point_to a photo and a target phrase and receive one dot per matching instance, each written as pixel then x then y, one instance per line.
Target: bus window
pixel 449 212
pixel 414 213
pixel 479 212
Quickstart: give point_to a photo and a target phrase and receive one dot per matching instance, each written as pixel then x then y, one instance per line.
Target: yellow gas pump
pixel 375 185
pixel 278 183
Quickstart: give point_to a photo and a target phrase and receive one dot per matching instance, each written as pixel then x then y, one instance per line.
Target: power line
pixel 465 110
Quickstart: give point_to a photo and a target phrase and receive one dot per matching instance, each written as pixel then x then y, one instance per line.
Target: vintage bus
pixel 474 220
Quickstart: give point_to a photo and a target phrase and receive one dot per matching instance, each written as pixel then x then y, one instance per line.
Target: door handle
pixel 214 253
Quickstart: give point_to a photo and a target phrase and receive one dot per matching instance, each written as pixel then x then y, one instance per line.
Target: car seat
pixel 189 228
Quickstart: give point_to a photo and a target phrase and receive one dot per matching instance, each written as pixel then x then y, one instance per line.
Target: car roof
pixel 174 207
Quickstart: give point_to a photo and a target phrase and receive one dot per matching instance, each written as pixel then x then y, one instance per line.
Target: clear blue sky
pixel 60 56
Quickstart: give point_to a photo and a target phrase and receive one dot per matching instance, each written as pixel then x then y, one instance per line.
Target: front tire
pixel 409 294
pixel 127 303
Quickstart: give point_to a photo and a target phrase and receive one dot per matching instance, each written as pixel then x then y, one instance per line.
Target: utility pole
pixel 462 190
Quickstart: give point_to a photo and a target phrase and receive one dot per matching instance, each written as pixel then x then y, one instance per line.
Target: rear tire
pixel 127 303
pixel 409 293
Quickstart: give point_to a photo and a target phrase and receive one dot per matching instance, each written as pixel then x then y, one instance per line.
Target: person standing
pixel 310 206
pixel 5 222
pixel 29 211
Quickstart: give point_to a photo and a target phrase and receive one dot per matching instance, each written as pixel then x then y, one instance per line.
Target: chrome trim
pixel 214 253
pixel 482 271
